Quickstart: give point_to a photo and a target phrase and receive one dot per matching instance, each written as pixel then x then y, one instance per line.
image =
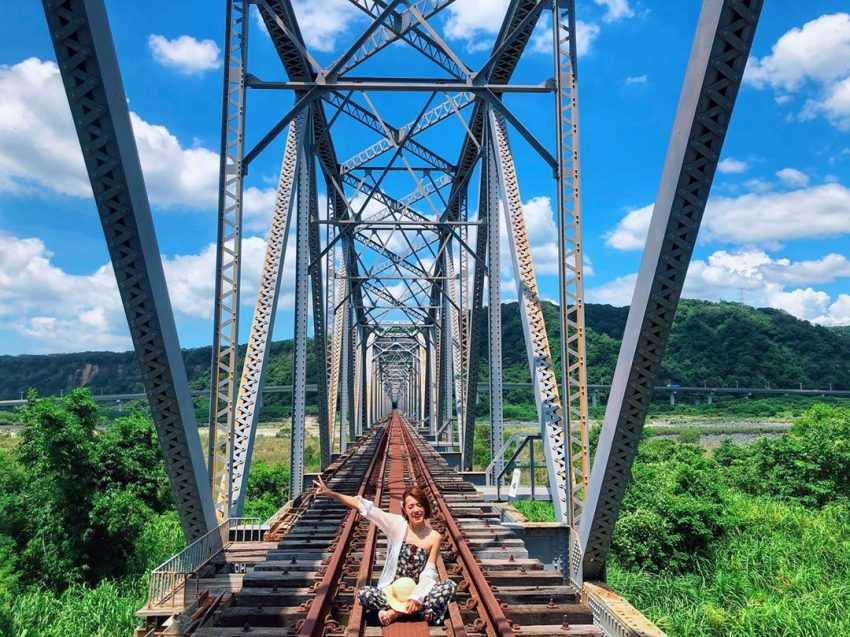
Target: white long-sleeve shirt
pixel 394 526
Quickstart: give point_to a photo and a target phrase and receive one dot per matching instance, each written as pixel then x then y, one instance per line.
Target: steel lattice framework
pixel 399 281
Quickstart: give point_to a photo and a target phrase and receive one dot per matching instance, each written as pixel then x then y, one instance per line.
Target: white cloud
pixel 818 53
pixel 636 79
pixel 793 178
pixel 615 9
pixel 617 292
pixel 39 148
pixel 322 22
pixel 185 53
pixel 818 211
pixel 730 166
pixel 757 278
pixel 52 310
pixel 755 218
pixel 834 105
pixel 477 23
pixel 838 313
pixel 630 232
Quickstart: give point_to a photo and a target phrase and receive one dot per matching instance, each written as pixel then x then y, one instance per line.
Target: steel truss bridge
pixel 389 276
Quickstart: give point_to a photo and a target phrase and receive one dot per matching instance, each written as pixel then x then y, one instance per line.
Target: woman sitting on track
pixel 412 551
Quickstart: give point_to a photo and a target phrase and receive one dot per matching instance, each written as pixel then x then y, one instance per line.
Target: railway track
pixel 307 585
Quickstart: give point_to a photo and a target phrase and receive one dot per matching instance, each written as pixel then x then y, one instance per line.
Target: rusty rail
pixel 355 620
pixel 486 605
pixel 313 626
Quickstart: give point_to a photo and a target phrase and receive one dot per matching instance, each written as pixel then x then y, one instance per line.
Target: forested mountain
pixel 713 343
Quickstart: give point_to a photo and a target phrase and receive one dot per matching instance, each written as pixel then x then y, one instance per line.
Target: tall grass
pixel 781 570
pixel 105 611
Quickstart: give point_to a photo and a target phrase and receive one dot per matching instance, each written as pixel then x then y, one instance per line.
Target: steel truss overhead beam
pixel 540 364
pixel 86 56
pixel 401 25
pixel 441 112
pixel 229 249
pixel 721 46
pixel 277 14
pixel 262 326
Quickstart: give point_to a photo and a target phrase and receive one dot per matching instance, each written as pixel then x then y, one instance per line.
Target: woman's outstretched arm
pixel 325 490
pixel 391 524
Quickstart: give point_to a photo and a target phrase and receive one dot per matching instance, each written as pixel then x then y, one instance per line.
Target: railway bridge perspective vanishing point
pixel 392 186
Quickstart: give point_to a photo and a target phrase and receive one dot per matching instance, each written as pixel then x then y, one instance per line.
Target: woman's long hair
pixel 419 495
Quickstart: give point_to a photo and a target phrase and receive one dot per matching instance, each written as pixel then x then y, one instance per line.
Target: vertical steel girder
pixel 537 343
pixel 454 321
pixel 319 330
pixel 229 243
pixel 262 326
pixel 336 340
pixel 349 373
pixel 86 57
pixel 302 281
pixel 345 425
pixel 429 380
pixel 721 46
pixel 477 316
pixel 490 195
pixel 364 376
pixel 445 361
pixel 570 266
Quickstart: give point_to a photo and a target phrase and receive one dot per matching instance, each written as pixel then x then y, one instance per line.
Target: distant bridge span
pixel 659 389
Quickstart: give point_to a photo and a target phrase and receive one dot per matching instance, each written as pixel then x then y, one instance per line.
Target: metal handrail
pixel 500 454
pixel 510 463
pixel 171 576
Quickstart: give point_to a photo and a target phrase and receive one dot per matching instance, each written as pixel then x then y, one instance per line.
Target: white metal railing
pixel 170 578
pixel 489 478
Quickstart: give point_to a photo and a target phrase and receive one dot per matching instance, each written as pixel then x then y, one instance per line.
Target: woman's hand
pixel 320 487
pixel 413 606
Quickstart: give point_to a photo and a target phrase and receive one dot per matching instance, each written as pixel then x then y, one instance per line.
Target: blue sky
pixel 775 233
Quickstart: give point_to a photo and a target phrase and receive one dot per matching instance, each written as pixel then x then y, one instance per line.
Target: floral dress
pixel 411 561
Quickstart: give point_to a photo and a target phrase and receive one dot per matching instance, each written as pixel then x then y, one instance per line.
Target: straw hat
pixel 399 592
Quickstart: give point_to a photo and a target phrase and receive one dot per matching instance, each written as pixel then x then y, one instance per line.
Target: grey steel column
pixel 540 363
pixel 429 382
pixel 262 326
pixel 570 265
pixel 364 412
pixel 345 387
pixel 722 43
pixel 302 282
pixel 349 381
pixel 477 317
pixel 319 332
pixel 490 193
pixel 229 243
pixel 89 67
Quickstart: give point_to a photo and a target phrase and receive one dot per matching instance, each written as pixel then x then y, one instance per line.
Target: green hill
pixel 714 343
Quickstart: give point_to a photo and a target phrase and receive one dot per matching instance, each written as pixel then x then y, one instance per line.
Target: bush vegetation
pixel 85 513
pixel 747 540
pixel 751 540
